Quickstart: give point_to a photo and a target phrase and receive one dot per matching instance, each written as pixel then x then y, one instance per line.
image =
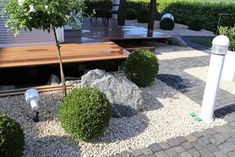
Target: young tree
pixel 46 15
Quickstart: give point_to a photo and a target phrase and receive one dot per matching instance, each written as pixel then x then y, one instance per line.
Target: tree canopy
pixel 42 14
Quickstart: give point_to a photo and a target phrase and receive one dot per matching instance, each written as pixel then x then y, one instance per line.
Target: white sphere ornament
pixel 168 16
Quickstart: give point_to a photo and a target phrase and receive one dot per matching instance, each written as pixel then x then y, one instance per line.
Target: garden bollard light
pixel 32 98
pixel 220 46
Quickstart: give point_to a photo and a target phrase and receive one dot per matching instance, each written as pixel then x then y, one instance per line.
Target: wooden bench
pixel 71 53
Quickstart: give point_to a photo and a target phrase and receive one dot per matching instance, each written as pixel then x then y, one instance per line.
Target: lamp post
pixel 220 46
pixel 32 98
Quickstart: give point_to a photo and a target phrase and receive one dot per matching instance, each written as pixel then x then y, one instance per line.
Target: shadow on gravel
pixel 222 112
pixel 196 42
pixel 51 146
pixel 124 128
pixel 176 82
pixel 195 90
pixel 151 102
pixel 119 111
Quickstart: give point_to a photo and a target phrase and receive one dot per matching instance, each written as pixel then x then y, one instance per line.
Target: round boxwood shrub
pixel 167 24
pixel 195 25
pixel 142 16
pixel 11 138
pixel 130 14
pixel 85 113
pixel 141 67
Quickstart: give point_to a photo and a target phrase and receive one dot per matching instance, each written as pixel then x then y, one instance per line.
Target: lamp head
pixel 220 45
pixel 31 94
pixel 32 98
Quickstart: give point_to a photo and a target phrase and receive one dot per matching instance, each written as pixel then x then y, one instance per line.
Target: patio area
pixel 162 129
pixel 129 82
pixel 97 31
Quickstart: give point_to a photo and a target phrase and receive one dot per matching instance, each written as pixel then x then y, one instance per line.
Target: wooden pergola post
pixel 152 12
pixel 122 12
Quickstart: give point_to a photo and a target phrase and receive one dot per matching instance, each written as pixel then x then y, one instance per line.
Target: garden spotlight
pixel 32 98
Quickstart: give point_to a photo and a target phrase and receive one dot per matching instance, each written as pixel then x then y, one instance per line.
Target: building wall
pixel 7 38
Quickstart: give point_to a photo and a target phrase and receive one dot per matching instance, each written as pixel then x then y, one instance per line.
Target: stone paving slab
pixel 202 146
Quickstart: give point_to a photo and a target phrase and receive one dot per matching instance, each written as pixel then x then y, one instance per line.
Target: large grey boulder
pixel 124 95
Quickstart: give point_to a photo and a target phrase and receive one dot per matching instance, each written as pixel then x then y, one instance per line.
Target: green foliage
pixel 185 11
pixel 167 24
pixel 142 16
pixel 223 30
pixel 11 138
pixel 130 14
pixel 206 13
pixel 137 6
pixel 42 14
pixel 85 113
pixel 230 33
pixel 195 25
pixel 141 67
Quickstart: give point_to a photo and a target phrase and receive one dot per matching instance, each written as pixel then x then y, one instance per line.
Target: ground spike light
pixel 32 98
pixel 220 46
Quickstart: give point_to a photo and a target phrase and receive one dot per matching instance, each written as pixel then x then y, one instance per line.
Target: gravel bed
pixel 167 115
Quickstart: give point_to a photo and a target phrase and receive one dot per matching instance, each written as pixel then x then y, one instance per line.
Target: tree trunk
pixel 152 12
pixel 61 65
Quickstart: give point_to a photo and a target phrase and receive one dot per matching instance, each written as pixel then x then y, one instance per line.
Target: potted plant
pixel 46 15
pixel 229 62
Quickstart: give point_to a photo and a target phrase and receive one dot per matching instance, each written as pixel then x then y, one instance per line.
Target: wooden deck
pixel 71 53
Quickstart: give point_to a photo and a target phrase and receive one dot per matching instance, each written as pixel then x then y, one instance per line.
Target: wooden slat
pixel 45 55
pixel 46 88
pixel 143 47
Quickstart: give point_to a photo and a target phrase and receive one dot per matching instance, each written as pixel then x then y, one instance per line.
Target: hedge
pixel 186 11
pixel 137 6
pixel 207 13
